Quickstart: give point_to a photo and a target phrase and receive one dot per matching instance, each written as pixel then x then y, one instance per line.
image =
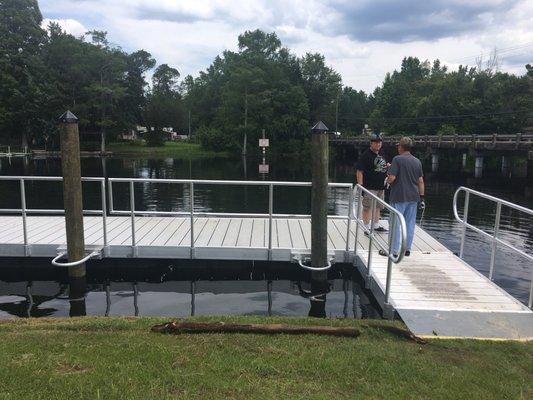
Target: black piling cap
pixel 319 127
pixel 68 118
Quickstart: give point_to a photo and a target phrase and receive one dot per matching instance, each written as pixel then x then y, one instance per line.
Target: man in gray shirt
pixel 407 191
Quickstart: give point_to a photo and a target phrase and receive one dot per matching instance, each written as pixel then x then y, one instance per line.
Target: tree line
pixel 261 86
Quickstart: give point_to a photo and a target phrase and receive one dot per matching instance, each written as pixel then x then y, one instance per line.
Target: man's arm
pixel 393 171
pixel 421 186
pixel 359 177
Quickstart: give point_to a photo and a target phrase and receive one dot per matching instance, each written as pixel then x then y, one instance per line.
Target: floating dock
pixel 436 293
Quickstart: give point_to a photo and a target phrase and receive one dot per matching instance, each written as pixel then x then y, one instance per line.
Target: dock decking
pixel 169 237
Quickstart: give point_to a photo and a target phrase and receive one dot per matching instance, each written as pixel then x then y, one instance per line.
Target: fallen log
pixel 222 327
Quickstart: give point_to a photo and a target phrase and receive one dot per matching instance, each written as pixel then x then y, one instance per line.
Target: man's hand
pixel 422 203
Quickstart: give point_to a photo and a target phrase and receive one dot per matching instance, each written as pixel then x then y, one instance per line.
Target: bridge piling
pixel 505 166
pixel 434 162
pixel 529 186
pixel 478 168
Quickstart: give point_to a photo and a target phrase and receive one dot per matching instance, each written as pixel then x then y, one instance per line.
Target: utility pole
pixel 189 124
pixel 337 114
pixel 102 105
pixel 245 120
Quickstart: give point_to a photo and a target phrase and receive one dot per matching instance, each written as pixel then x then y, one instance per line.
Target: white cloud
pixel 69 25
pixel 362 40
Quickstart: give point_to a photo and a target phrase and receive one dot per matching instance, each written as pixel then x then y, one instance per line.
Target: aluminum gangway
pixel 435 292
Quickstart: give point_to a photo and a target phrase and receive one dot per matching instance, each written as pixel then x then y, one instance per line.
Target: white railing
pixel 377 240
pixel 24 211
pixel 193 183
pixel 495 240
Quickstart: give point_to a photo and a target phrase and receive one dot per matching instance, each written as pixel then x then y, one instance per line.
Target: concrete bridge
pixel 477 146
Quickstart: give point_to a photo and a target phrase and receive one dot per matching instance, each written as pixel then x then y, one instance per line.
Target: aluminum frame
pixel 24 211
pixel 495 240
pixel 358 192
pixel 192 183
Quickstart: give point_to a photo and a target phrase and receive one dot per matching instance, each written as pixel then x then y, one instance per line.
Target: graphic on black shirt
pixel 374 167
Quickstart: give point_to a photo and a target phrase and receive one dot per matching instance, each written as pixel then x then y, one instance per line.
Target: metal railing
pixel 24 211
pixel 495 240
pixel 193 183
pixel 373 239
pixel 516 139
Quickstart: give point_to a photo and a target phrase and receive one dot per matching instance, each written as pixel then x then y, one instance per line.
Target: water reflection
pixel 77 293
pixel 157 290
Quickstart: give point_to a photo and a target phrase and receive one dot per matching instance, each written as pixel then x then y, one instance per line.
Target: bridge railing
pixel 517 139
pixel 377 240
pixel 25 211
pixel 495 240
pixel 193 183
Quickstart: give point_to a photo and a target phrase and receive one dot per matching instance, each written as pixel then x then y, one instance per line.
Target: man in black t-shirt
pixel 371 173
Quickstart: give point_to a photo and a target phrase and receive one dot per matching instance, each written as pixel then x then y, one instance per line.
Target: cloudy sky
pixel 361 39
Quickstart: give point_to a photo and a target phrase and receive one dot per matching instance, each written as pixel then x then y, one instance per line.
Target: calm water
pixel 30 287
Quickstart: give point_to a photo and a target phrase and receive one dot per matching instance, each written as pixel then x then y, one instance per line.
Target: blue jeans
pixel 408 210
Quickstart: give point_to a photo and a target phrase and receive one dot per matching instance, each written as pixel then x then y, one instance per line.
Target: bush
pixel 446 130
pixel 215 139
pixel 155 139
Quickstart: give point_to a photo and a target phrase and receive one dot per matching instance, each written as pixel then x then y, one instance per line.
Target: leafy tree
pixel 163 108
pixel 23 87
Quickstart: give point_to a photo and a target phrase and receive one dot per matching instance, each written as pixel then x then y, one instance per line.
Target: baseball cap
pixel 376 137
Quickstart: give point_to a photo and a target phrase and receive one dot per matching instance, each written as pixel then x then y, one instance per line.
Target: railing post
pixel 370 240
pixel 132 206
pixel 110 190
pixel 191 190
pixel 350 207
pixel 270 210
pixel 392 228
pixel 358 213
pixel 494 243
pixel 465 218
pixel 24 222
pixel 530 302
pixel 104 215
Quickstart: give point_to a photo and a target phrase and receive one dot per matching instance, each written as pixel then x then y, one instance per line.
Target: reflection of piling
pixel 72 197
pixel 77 290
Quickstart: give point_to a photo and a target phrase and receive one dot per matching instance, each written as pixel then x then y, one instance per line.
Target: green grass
pixel 170 149
pixel 119 358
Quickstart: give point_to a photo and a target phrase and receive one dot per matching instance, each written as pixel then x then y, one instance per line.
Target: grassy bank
pixel 119 358
pixel 170 149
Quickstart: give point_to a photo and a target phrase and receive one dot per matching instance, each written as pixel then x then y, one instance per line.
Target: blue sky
pixel 361 39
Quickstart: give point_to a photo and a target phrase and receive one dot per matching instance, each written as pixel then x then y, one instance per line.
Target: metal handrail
pixel 494 237
pixel 56 262
pixel 358 192
pixel 192 183
pixel 24 211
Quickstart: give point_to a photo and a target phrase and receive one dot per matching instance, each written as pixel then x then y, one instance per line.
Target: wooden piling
pixel 319 198
pixel 72 194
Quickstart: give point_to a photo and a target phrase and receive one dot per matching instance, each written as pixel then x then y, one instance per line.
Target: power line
pixel 437 117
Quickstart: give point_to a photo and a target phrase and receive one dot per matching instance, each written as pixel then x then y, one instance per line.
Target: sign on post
pixel 263 168
pixel 263 143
